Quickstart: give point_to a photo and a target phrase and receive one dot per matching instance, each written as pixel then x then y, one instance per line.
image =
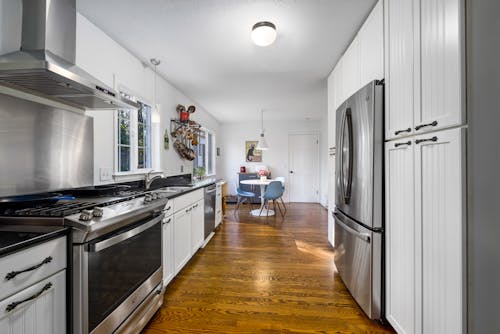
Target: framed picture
pixel 252 154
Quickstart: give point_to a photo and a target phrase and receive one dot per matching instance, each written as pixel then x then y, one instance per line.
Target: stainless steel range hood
pixel 45 65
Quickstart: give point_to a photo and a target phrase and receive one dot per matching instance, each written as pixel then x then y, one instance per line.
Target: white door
pixel 441 65
pixel 400 235
pixel 168 249
pixel 182 238
pixel 400 67
pixel 40 309
pixel 197 226
pixel 303 167
pixel 439 214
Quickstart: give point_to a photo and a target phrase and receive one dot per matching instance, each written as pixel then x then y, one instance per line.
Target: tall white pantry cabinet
pixel 425 132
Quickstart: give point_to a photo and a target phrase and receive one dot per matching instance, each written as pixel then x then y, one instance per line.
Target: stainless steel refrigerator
pixel 359 201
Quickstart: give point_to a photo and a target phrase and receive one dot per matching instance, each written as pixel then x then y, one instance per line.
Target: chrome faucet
pixel 148 179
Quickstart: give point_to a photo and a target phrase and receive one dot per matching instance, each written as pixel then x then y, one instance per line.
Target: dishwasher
pixel 210 192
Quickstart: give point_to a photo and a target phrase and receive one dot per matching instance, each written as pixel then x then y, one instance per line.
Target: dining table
pixel 262 211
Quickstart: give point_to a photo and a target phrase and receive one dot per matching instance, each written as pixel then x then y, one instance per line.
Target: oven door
pixel 122 269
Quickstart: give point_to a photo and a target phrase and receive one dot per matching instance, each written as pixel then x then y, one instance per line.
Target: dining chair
pixel 282 180
pixel 243 196
pixel 273 192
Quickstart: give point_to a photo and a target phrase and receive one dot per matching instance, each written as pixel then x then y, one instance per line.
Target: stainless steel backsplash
pixel 43 148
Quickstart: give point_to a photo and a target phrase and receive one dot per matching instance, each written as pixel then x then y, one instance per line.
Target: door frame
pixel 317 158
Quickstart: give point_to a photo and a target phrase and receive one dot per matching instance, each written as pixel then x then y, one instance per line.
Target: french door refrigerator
pixel 359 194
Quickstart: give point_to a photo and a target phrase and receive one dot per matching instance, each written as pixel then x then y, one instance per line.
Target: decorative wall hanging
pixel 251 152
pixel 185 132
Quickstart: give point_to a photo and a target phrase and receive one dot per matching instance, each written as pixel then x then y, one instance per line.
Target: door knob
pixel 291 172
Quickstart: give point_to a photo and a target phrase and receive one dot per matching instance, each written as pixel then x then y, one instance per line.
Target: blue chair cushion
pixel 244 193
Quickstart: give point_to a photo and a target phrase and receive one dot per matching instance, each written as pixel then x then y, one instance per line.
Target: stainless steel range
pixel 117 265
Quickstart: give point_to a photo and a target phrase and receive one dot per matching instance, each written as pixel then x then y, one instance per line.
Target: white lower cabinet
pixel 197 226
pixel 182 238
pixel 168 249
pixel 425 233
pixel 401 236
pixel 439 162
pixel 44 313
pixel 218 204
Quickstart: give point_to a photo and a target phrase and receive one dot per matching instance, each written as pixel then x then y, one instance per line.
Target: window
pixel 134 139
pixel 205 155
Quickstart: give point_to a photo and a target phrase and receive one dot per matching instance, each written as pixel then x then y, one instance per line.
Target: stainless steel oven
pixel 117 277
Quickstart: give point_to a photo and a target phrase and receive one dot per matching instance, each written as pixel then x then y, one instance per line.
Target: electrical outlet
pixel 105 173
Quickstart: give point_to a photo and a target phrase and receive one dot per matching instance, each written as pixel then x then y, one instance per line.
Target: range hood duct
pixel 45 65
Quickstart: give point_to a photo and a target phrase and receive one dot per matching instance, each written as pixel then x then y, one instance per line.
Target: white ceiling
pixel 207 53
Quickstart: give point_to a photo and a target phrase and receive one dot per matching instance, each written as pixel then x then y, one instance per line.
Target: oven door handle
pixel 99 246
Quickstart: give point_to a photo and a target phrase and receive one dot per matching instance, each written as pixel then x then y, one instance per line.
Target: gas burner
pixel 59 209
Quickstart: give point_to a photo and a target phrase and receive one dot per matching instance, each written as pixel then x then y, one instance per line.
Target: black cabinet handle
pixel 401 131
pixel 13 274
pixel 168 221
pixel 418 127
pixel 291 172
pixel 195 206
pixel 418 141
pixel 168 208
pixel 13 305
pixel 187 210
pixel 401 144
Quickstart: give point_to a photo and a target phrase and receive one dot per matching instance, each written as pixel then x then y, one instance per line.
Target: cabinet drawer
pixel 44 314
pixel 52 254
pixel 188 199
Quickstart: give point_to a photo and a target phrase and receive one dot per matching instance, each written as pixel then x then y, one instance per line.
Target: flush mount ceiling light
pixel 263 33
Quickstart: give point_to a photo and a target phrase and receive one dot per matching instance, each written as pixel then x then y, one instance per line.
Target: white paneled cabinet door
pixel 168 249
pixel 439 211
pixel 182 238
pixel 399 67
pixel 400 236
pixel 441 65
pixel 371 46
pixel 351 76
pixel 338 85
pixel 45 313
pixel 197 226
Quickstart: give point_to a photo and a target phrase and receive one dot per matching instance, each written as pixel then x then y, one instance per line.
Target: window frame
pixel 213 144
pixel 134 144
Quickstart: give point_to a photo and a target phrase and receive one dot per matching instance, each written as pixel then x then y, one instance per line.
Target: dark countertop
pixel 14 238
pixel 182 190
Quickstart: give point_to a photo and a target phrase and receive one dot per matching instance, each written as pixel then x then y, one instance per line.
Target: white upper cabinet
pixel 441 65
pixel 400 67
pixel 423 66
pixel 371 46
pixel 351 77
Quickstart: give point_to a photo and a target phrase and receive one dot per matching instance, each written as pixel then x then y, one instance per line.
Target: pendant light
pixel 155 115
pixel 263 33
pixel 262 144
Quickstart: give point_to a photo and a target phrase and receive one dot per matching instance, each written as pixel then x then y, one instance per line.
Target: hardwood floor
pixel 263 275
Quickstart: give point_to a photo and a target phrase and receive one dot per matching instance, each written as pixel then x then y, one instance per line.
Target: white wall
pixel 105 59
pixel 233 137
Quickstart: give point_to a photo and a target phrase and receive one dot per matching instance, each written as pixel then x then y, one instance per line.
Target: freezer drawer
pixel 358 255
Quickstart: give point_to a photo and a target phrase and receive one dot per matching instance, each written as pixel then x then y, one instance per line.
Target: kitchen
pixel 440 195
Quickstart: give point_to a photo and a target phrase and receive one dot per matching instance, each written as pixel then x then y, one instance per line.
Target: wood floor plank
pixel 263 275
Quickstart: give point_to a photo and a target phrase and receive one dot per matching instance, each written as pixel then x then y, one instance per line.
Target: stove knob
pixel 86 215
pixel 147 198
pixel 154 195
pixel 98 211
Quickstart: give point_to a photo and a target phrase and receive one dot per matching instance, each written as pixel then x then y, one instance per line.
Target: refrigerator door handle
pixel 362 236
pixel 341 158
pixel 347 195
